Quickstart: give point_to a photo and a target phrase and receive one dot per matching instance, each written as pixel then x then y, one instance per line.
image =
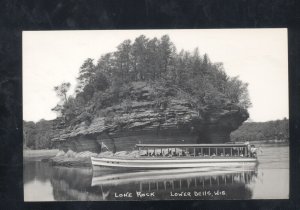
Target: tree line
pixel 37 135
pixel 259 131
pixel 108 80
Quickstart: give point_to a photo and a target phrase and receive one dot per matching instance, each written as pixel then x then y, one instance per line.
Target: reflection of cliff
pixel 74 184
pixel 62 190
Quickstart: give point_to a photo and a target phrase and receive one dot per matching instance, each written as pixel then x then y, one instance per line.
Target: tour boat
pixel 172 156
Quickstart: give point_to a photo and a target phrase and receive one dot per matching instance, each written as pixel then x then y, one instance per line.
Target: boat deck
pixel 172 158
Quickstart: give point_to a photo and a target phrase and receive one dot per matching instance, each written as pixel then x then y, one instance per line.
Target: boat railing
pixel 195 150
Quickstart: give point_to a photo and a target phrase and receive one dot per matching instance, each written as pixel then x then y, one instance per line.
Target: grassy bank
pixel 44 153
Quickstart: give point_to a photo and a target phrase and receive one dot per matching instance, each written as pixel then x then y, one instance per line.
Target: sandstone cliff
pixel 147 118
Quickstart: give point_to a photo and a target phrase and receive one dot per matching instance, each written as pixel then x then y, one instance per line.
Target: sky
pixel 258 56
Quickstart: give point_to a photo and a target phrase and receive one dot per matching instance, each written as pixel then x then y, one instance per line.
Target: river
pixel 268 180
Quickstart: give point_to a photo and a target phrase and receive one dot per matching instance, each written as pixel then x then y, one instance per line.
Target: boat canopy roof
pixel 190 145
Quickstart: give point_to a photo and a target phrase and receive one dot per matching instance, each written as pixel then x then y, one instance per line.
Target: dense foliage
pixel 258 131
pixel 156 62
pixel 37 135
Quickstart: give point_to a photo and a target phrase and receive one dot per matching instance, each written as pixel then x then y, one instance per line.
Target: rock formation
pixel 148 120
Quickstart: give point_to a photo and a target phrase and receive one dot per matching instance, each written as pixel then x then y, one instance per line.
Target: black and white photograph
pixel 141 115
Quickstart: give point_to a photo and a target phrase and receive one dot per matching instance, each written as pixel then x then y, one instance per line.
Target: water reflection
pixel 169 184
pixel 270 179
pixel 37 185
pixel 84 185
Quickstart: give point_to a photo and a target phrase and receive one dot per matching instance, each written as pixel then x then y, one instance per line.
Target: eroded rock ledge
pixel 147 121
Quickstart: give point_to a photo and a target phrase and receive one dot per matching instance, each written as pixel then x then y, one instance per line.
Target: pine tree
pixel 87 70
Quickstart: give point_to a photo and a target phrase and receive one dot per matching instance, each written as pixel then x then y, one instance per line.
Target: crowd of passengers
pixel 235 153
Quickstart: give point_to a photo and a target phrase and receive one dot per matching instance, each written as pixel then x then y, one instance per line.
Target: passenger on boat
pixel 169 154
pixel 248 148
pixel 253 151
pixel 234 151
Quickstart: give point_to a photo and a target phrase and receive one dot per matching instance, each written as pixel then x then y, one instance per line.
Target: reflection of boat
pixel 162 156
pixel 166 182
pixel 105 179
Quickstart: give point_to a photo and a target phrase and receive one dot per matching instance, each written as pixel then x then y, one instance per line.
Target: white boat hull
pixel 167 163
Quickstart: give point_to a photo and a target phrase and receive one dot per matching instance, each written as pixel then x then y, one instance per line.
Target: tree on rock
pixel 61 92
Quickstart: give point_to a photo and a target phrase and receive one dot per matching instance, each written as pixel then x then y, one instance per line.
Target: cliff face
pixel 150 120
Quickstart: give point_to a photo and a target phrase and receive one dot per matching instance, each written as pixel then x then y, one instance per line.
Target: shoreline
pixel 53 157
pixel 39 154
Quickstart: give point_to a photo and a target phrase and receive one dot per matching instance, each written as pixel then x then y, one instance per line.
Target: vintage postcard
pixel 121 115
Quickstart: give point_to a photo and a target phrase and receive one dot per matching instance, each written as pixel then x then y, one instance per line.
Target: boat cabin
pixel 195 150
pixel 167 156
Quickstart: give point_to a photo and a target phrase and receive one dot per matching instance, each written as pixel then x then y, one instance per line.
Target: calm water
pixel 268 180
